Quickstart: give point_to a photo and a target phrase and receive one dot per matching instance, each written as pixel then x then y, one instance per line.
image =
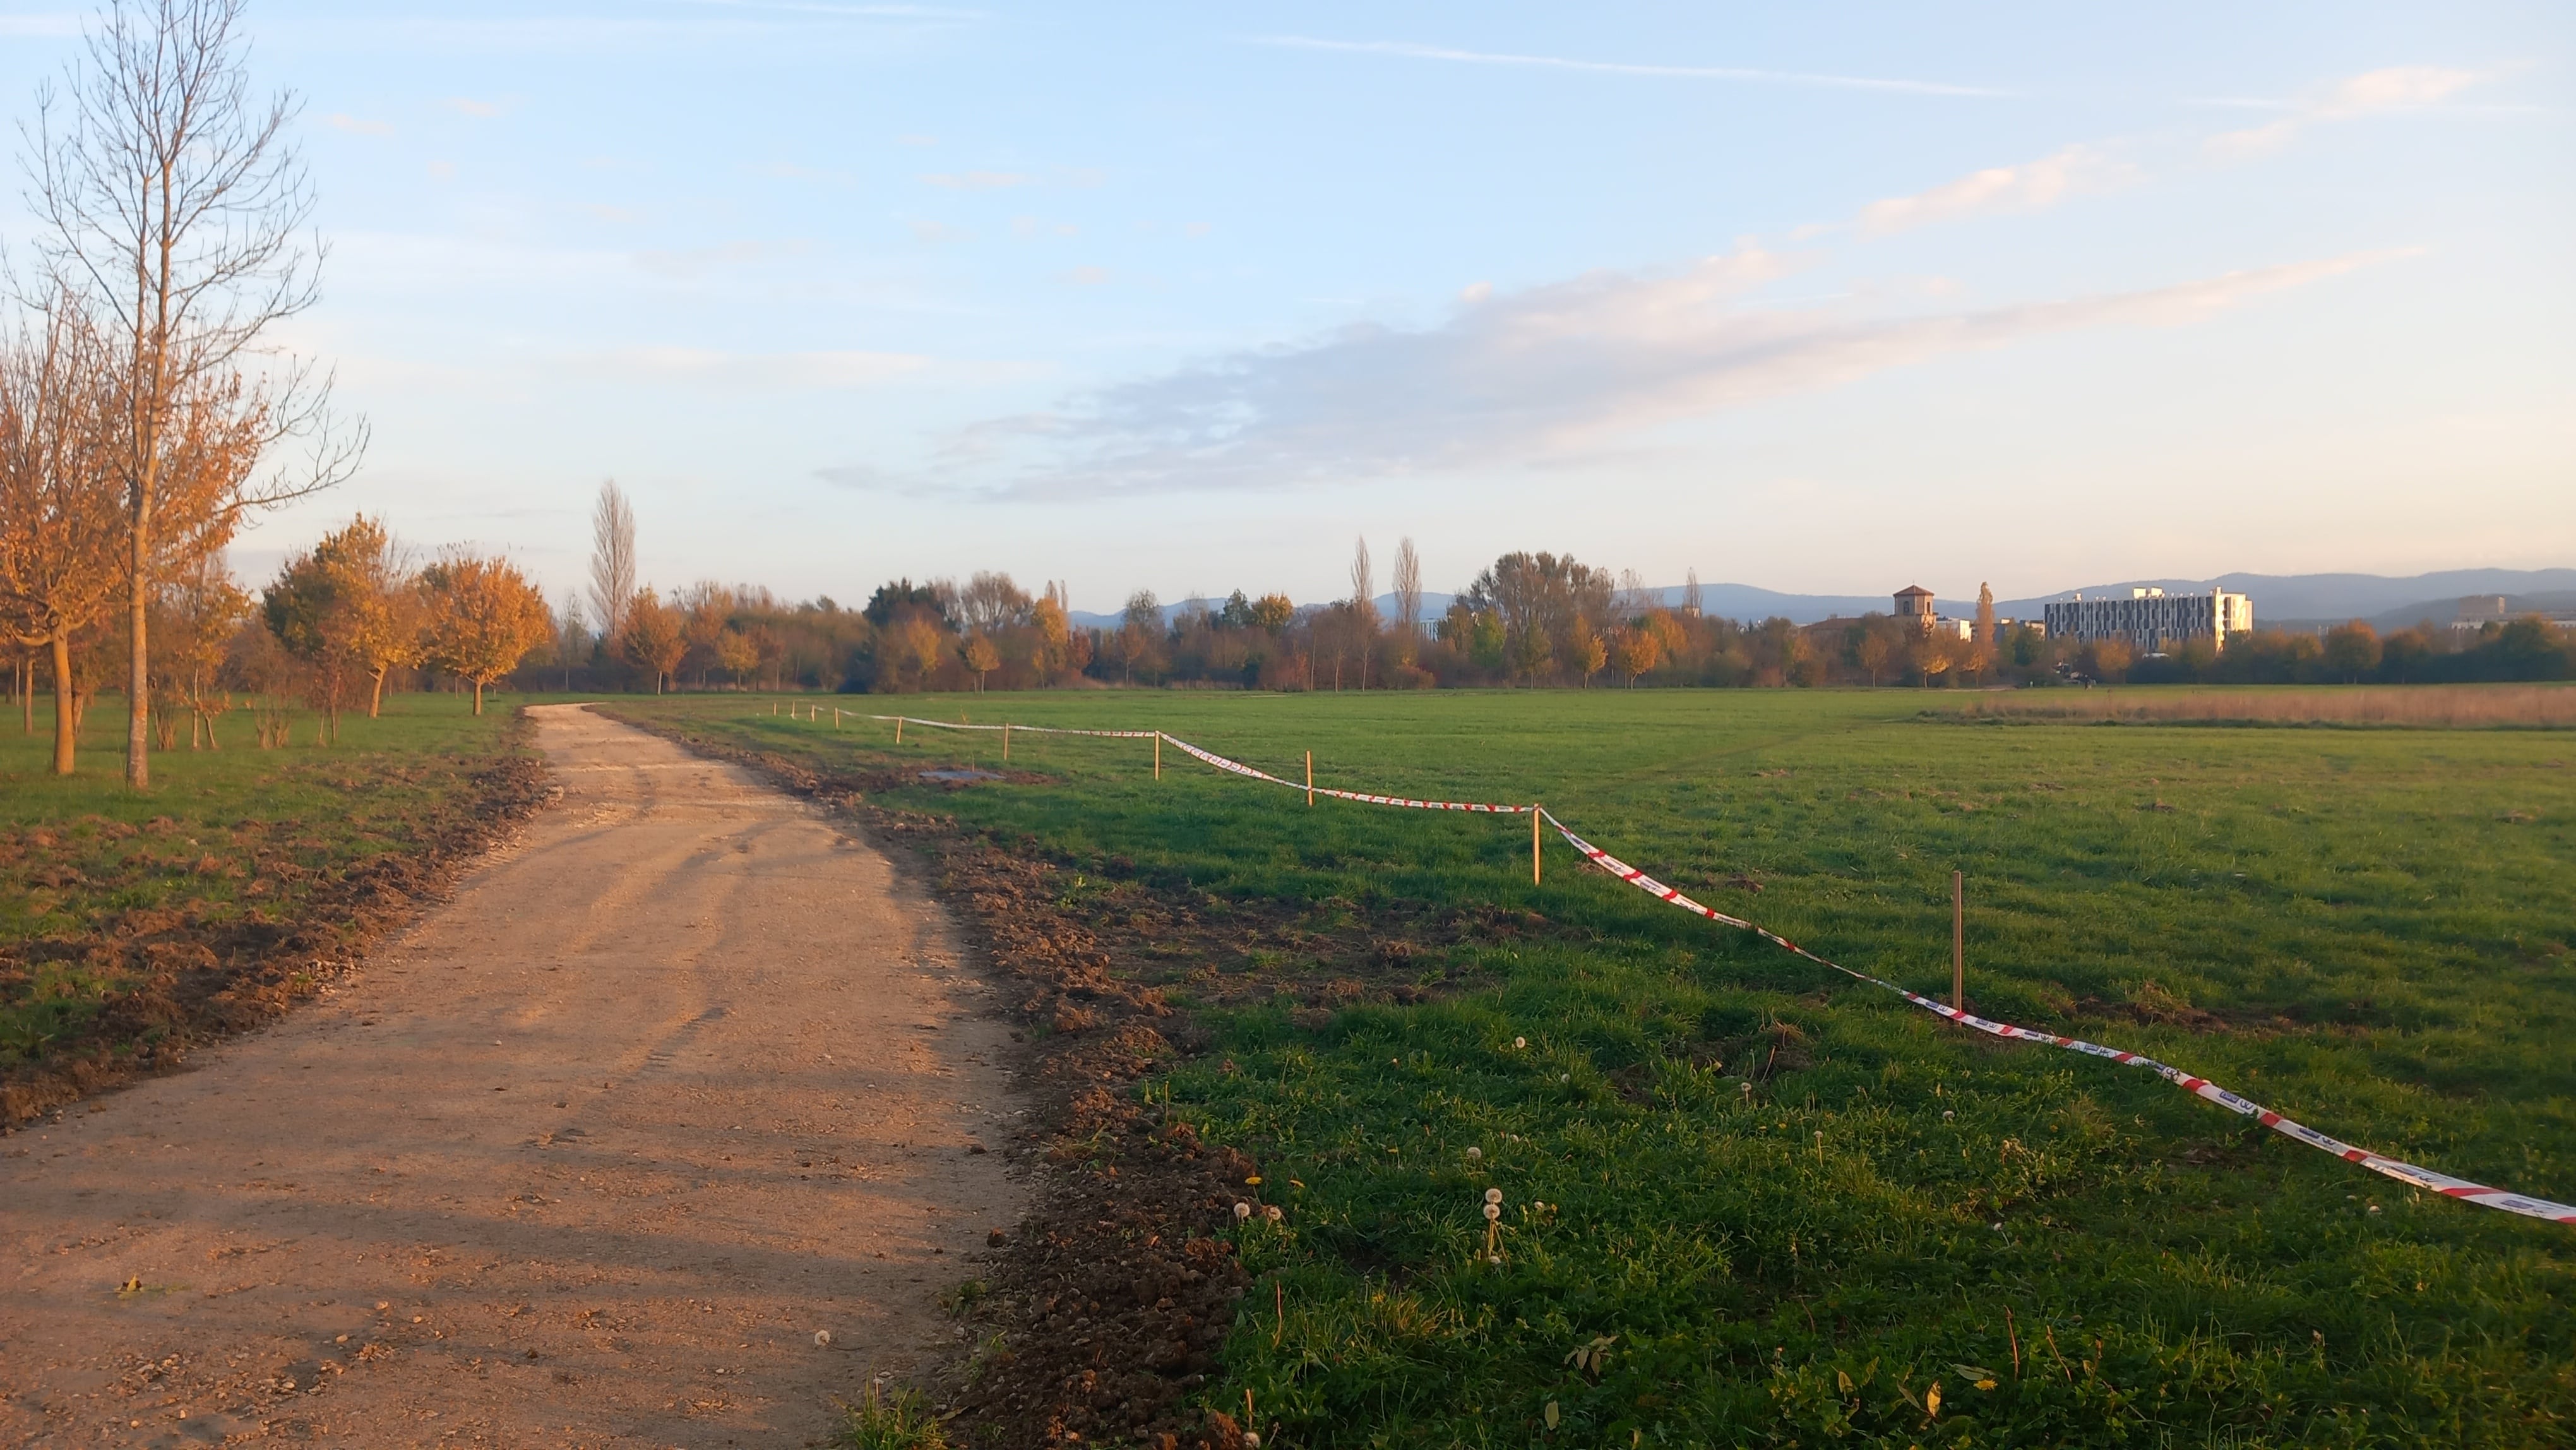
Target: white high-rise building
pixel 2152 619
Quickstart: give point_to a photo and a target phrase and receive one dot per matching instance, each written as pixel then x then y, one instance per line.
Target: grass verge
pixel 134 926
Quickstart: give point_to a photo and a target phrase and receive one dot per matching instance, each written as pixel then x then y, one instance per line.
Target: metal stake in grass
pixel 1958 941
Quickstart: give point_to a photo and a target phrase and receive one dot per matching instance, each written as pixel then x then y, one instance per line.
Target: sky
pixel 1823 298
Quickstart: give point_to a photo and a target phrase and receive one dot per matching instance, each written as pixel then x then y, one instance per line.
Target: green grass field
pixel 223 838
pixel 1785 1208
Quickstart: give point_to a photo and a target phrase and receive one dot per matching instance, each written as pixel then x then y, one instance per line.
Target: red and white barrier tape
pixel 1239 768
pixel 1020 729
pixel 2406 1173
pixel 1221 763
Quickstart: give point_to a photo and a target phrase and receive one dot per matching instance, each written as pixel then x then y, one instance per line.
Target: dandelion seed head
pixel 1475 1154
pixel 1520 1042
pixel 1242 1211
pixel 1271 1213
pixel 1493 1195
pixel 1493 1211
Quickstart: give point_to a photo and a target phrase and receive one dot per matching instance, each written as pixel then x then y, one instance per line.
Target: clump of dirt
pixel 195 977
pixel 1101 1315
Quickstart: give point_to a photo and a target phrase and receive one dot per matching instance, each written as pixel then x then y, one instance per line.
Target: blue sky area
pixel 1820 298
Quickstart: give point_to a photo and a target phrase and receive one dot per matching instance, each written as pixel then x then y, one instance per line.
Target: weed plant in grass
pixel 224 836
pixel 1746 1201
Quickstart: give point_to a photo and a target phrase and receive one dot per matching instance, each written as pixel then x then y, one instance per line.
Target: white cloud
pixel 468 106
pixel 2395 88
pixel 2030 186
pixel 701 367
pixel 442 171
pixel 355 126
pixel 940 232
pixel 1088 276
pixel 1525 378
pixel 617 215
pixel 976 180
pixel 1628 68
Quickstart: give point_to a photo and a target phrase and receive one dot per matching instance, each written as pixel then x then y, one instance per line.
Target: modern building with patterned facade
pixel 2152 619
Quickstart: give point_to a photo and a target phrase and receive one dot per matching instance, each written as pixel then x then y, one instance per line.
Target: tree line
pixel 1529 619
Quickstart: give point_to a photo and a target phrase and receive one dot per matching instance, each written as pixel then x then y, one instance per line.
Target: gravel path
pixel 680 1078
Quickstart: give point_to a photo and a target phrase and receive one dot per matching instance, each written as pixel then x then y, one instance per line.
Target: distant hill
pixel 2285 599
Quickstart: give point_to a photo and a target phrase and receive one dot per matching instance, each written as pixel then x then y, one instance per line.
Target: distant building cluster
pixel 2477 611
pixel 1914 605
pixel 2151 619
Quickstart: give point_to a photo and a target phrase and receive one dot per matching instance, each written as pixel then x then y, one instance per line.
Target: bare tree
pixel 612 559
pixel 1363 606
pixel 572 637
pixel 1408 599
pixel 1690 593
pixel 991 603
pixel 174 199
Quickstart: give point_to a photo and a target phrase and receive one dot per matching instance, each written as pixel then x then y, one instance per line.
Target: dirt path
pixel 586 1158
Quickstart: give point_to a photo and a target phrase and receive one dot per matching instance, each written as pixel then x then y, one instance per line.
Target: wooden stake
pixel 1958 941
pixel 1533 845
pixel 898 729
pixel 1158 755
pixel 1006 740
pixel 1310 777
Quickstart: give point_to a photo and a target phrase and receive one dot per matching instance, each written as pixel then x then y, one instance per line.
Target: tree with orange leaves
pixel 60 521
pixel 484 617
pixel 652 637
pixel 1638 651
